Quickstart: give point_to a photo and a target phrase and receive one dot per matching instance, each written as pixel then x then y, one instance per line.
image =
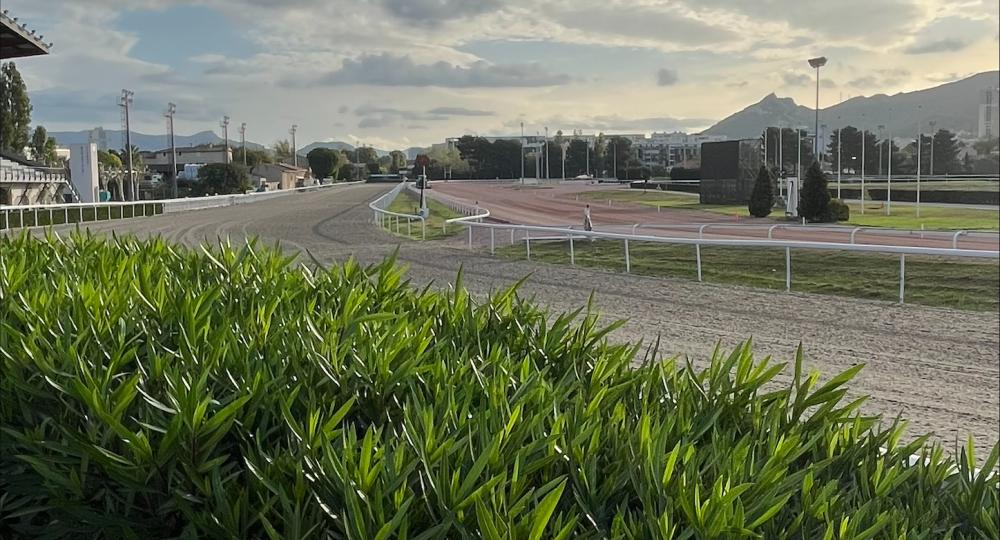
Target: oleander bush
pixel 153 391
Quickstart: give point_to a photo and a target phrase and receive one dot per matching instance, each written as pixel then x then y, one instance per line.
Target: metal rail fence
pixel 42 215
pixel 571 235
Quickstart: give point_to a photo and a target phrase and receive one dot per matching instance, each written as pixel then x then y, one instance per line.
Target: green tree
pixel 253 158
pixel 108 160
pixel 324 162
pixel 15 110
pixel 814 197
pixel 222 179
pixel 945 154
pixel 43 147
pixel 397 160
pixel 762 197
pixel 576 158
pixel 283 150
pixel 366 155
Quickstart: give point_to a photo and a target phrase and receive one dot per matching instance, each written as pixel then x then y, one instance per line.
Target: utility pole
pixel 920 143
pixel 888 205
pixel 881 143
pixel 171 110
pixel 614 158
pixel 295 154
pixel 546 152
pixel 225 135
pixel 862 166
pixel 839 167
pixel 781 163
pixel 817 63
pixel 798 162
pixel 563 145
pixel 125 103
pixel 243 142
pixel 931 124
pixel 588 158
pixel 522 152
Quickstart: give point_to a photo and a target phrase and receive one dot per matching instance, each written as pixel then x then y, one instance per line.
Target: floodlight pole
pixel 817 63
pixel 522 152
pixel 225 135
pixel 295 154
pixel 888 205
pixel 546 152
pixel 840 168
pixel 862 167
pixel 126 102
pixel 243 142
pixel 171 110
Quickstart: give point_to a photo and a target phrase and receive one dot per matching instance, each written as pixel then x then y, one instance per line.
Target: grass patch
pixel 940 185
pixel 954 283
pixel 904 216
pixel 408 203
pixel 152 391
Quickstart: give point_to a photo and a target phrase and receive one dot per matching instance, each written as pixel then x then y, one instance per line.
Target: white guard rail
pixel 556 233
pixel 88 212
pixel 385 218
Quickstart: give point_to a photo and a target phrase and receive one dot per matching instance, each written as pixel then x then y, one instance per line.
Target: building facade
pixel 159 160
pixel 989 113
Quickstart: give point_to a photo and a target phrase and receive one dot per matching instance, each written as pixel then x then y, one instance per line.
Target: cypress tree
pixel 762 197
pixel 814 197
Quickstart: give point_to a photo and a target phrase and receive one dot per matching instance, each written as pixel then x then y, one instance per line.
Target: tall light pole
pixel 243 142
pixel 888 205
pixel 295 154
pixel 817 63
pixel 931 124
pixel 126 102
pixel 225 135
pixel 546 152
pixel 920 143
pixel 522 152
pixel 881 143
pixel 588 158
pixel 171 110
pixel 863 163
pixel 781 163
pixel 564 145
pixel 798 162
pixel 840 168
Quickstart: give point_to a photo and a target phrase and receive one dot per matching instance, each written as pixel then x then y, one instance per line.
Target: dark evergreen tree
pixel 814 196
pixel 762 198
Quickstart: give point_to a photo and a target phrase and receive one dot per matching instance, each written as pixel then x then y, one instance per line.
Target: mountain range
pixel 953 106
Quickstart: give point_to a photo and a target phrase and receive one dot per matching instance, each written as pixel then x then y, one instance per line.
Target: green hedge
pixel 151 391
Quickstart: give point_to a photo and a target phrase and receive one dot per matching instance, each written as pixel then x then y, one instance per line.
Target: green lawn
pixel 956 283
pixel 78 214
pixel 903 215
pixel 407 203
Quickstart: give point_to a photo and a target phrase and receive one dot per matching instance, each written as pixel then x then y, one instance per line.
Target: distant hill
pixel 336 145
pixel 953 106
pixel 114 138
pixel 413 151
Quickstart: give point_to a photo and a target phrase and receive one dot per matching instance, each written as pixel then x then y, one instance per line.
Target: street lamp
pixel 817 63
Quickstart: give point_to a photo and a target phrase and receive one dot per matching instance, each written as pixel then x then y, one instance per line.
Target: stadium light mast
pixel 125 102
pixel 171 110
pixel 863 163
pixel 840 168
pixel 243 142
pixel 225 135
pixel 522 152
pixel 546 152
pixel 817 63
pixel 295 154
pixel 931 124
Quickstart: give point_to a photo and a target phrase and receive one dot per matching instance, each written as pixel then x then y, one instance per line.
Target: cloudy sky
pixel 396 73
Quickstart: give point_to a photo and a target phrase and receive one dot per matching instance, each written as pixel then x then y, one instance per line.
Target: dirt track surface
pixel 557 205
pixel 938 368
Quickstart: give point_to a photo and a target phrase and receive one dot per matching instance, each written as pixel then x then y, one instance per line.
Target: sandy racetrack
pixel 938 368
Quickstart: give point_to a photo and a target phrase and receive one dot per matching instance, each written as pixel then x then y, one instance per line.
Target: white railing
pixel 385 218
pixel 556 233
pixel 88 212
pixel 850 232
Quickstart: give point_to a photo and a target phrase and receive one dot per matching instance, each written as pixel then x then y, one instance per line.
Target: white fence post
pixel 572 254
pixel 470 237
pixel 628 260
pixel 527 243
pixel 697 258
pixel 788 269
pixel 493 240
pixel 954 239
pixel 902 276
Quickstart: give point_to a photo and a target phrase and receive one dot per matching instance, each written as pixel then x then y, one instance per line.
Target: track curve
pixel 938 368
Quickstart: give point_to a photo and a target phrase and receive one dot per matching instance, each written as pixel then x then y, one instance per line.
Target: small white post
pixel 572 252
pixel 628 260
pixel 50 216
pixel 66 214
pixel 788 269
pixel 902 276
pixel 512 237
pixel 493 240
pixel 697 256
pixel 470 236
pixel 423 229
pixel 527 243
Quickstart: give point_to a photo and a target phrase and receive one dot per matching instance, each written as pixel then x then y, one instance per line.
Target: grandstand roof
pixel 16 40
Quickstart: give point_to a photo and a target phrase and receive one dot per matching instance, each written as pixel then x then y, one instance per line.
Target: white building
pixel 672 149
pixel 989 113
